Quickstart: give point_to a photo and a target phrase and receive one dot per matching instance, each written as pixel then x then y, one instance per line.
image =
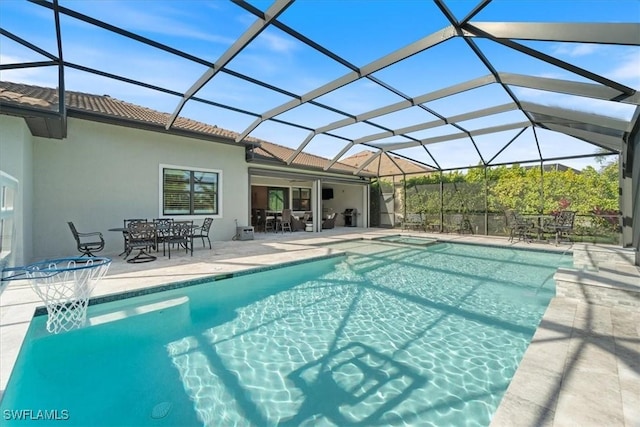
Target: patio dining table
pixel 539 221
pixel 125 230
pixel 122 230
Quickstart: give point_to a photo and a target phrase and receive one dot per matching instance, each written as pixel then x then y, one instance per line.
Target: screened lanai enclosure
pixel 437 89
pixel 479 200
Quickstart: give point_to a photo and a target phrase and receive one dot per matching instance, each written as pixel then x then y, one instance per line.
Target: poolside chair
pixel 141 236
pixel 163 228
pixel 561 226
pixel 125 234
pixel 461 224
pixel 181 235
pixel 202 232
pixel 87 243
pixel 518 226
pixel 413 221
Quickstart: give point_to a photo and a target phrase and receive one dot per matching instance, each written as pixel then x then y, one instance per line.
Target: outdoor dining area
pixel 287 220
pixel 146 236
pixel 557 226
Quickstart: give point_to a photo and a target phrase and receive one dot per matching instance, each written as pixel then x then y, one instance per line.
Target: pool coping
pixel 93 301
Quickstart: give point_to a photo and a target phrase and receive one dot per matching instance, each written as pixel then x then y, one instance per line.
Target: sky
pixel 361 32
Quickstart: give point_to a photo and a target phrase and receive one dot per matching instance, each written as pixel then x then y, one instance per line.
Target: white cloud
pixel 39 76
pixel 155 20
pixel 628 69
pixel 277 43
pixel 575 49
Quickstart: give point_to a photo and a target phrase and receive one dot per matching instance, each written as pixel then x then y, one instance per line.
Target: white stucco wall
pixel 16 160
pixel 345 197
pixel 101 174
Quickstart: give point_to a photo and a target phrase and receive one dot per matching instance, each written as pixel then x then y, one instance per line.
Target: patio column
pixel 316 194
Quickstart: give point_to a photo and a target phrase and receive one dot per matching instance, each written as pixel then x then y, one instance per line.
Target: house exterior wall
pixel 101 174
pixel 16 162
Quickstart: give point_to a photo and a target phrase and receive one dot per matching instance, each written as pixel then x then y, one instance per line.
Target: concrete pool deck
pixel 582 367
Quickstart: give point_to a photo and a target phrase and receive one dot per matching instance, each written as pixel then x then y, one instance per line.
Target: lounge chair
pixel 87 243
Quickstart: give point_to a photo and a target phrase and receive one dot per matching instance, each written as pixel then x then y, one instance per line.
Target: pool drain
pixel 161 410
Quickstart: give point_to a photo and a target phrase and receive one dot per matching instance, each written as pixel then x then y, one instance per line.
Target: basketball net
pixel 65 285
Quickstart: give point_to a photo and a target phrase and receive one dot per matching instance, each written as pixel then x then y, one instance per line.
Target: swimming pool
pixel 388 335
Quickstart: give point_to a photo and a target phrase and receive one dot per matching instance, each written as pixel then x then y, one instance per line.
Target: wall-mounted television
pixel 327 193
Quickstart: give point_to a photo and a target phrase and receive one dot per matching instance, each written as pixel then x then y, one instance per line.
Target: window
pixel 190 192
pixel 8 191
pixel 301 199
pixel 277 198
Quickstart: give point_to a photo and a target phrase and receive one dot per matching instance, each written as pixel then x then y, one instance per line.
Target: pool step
pixel 175 304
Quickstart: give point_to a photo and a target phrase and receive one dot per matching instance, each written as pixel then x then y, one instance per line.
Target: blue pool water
pixel 409 240
pixel 388 335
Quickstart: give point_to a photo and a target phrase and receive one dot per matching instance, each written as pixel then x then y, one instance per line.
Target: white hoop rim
pixel 46 268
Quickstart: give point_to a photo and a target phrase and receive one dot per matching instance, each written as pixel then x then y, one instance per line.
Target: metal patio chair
pixel 561 226
pixel 163 228
pixel 518 226
pixel 181 235
pixel 461 224
pixel 141 236
pixel 87 243
pixel 202 232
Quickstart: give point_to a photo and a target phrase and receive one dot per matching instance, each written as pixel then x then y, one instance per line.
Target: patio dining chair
pixel 141 236
pixel 461 224
pixel 181 235
pixel 284 222
pixel 561 226
pixel 518 226
pixel 270 222
pixel 163 228
pixel 87 243
pixel 125 234
pixel 202 232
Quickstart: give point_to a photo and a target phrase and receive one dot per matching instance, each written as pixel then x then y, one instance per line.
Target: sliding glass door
pixel 278 198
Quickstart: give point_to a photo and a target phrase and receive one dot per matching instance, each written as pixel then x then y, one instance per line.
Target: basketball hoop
pixel 65 285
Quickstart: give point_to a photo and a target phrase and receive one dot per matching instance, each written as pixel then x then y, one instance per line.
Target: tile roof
pixel 384 166
pixel 270 151
pixel 44 98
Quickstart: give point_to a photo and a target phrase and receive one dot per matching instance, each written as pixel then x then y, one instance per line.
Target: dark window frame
pixel 299 203
pixel 192 190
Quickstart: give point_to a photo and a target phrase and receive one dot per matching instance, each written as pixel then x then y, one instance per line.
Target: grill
pixel 350 217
